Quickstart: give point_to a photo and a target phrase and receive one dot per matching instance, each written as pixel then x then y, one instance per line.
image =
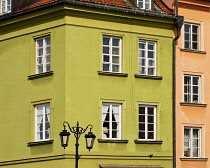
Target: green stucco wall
pixel 76 90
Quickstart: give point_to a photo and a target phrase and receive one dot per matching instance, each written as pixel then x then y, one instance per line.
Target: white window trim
pixel 120 111
pixel 146 122
pixel 144 2
pixel 199 36
pixel 44 63
pixel 110 54
pixel 191 144
pixel 191 88
pixel 35 124
pixel 147 59
pixel 6 5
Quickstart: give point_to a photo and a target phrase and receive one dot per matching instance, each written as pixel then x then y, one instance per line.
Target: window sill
pixel 41 75
pixel 193 104
pixel 147 142
pixel 112 141
pixel 148 77
pixel 193 51
pixel 193 159
pixel 40 143
pixel 113 74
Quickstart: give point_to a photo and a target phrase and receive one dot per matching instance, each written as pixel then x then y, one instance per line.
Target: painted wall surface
pixel 76 91
pixel 194 63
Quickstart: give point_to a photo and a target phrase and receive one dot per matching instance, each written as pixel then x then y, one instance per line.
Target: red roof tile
pixel 116 3
pixel 163 6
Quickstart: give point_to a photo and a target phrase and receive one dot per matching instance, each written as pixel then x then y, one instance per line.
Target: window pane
pixel 150 54
pixel 186 44
pixel 40 69
pixel 47 67
pixel 195 45
pixel 195 89
pixel 141 118
pixel 187 36
pixel 142 71
pixel 195 152
pixel 115 68
pixel 40 52
pixel 150 119
pixel 47 59
pixel 142 127
pixel 151 110
pixel 115 59
pixel 142 45
pixel 195 80
pixel 116 42
pixel 195 133
pixel 150 127
pixel 187 28
pixel 105 67
pixel 142 53
pixel 151 63
pixel 195 29
pixel 115 51
pixel 106 58
pixel 141 110
pixel 195 37
pixel 150 71
pixel 47 40
pixel 106 50
pixel 141 135
pixel 106 40
pixel 147 6
pixel 150 135
pixel 114 134
pixel 40 43
pixel 142 62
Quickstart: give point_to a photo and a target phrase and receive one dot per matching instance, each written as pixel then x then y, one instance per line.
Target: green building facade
pixel 109 66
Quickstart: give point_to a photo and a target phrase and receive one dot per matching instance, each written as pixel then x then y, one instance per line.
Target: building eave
pixel 135 11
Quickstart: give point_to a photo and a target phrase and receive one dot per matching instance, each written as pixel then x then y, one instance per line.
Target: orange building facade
pixel 193 86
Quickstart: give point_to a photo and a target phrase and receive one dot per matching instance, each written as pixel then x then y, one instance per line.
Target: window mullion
pixel 146 123
pixel 155 132
pixel 43 113
pixel 110 122
pixel 110 52
pixel 191 89
pixel 44 54
pixel 146 57
pixel 190 142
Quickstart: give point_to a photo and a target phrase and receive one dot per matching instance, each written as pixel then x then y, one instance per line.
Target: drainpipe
pixel 178 24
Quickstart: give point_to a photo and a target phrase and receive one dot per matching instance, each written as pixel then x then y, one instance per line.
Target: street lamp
pixel 77 131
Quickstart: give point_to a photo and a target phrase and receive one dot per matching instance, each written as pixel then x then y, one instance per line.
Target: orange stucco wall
pixel 195 63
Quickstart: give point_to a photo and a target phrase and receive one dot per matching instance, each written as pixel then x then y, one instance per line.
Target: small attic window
pixel 5 6
pixel 144 4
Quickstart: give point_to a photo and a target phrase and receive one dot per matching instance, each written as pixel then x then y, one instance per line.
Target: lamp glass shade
pixel 90 137
pixel 64 138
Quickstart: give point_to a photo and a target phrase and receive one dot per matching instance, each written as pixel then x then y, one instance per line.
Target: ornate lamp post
pixel 77 131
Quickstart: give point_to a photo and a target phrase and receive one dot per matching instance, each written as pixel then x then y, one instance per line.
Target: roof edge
pixel 96 6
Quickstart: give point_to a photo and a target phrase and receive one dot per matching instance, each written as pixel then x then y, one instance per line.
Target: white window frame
pixel 188 89
pixel 188 142
pixel 43 60
pixel 111 55
pixel 7 6
pixel 144 121
pixel 44 121
pixel 190 40
pixel 144 60
pixel 106 130
pixel 144 4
